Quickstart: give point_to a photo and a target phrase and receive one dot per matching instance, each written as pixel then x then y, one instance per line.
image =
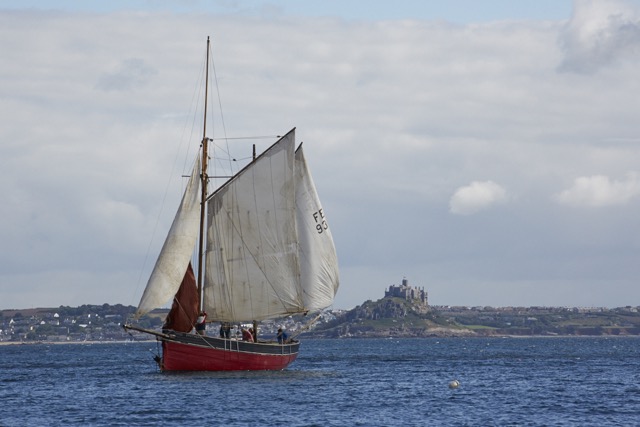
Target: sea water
pixel 348 382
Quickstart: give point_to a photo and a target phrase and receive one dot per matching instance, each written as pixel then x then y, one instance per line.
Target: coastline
pixel 7 343
pixel 11 343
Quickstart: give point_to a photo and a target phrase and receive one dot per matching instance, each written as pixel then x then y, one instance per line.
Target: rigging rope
pixel 306 326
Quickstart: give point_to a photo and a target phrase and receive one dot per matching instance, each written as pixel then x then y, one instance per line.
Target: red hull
pixel 178 356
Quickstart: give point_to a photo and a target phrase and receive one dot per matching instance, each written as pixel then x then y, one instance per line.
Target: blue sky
pixel 487 151
pixel 457 11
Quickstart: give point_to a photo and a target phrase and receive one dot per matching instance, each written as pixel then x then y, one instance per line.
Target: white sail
pixel 318 258
pixel 176 252
pixel 252 270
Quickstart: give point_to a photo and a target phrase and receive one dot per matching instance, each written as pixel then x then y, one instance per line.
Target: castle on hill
pixel 409 293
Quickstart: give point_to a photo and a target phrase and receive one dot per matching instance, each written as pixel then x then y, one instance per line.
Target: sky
pixel 486 151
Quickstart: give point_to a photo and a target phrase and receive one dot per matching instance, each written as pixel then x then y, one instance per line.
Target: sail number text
pixel 321 222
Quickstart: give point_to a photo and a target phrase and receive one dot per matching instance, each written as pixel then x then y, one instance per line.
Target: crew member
pixel 201 323
pixel 246 335
pixel 282 336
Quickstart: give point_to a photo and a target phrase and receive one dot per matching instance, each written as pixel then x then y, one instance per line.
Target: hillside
pixel 397 317
pixel 388 317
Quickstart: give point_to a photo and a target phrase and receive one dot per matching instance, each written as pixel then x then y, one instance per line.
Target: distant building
pixel 407 292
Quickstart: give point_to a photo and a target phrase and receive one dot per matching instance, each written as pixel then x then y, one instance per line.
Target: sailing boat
pixel 264 252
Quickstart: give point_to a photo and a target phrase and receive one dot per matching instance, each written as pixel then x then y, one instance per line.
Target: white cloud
pixel 600 190
pixel 131 73
pixel 476 197
pixel 599 33
pixel 395 116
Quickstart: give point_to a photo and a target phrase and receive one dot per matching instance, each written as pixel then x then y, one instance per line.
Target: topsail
pixel 318 259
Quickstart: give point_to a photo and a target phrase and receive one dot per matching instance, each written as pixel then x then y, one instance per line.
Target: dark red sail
pixel 184 310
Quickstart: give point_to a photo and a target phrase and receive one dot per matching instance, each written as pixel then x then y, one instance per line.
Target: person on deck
pixel 282 336
pixel 201 323
pixel 246 335
pixel 225 330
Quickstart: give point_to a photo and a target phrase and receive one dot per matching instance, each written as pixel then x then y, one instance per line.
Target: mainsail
pixel 176 252
pixel 252 255
pixel 265 257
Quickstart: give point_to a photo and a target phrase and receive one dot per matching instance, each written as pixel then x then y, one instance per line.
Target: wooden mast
pixel 204 179
pixel 255 323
